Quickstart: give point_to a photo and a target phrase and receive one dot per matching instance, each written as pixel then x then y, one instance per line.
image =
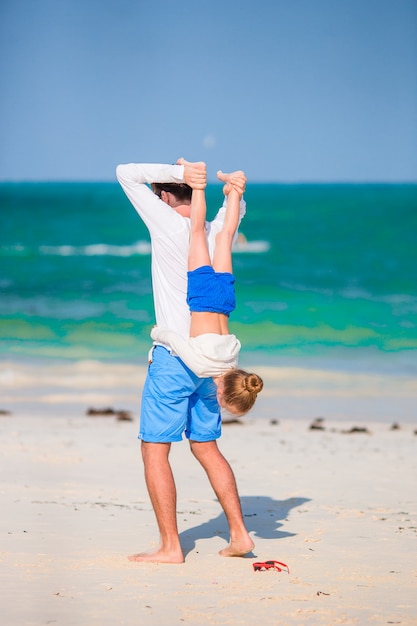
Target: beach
pixel 321 119
pixel 331 494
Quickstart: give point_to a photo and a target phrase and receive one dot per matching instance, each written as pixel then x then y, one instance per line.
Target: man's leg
pixel 162 492
pixel 222 479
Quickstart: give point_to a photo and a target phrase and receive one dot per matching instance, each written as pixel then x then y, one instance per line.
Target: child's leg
pixel 198 253
pixel 222 261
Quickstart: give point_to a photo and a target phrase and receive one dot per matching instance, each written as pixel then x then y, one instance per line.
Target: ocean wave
pixel 139 248
pixel 255 247
pixel 398 301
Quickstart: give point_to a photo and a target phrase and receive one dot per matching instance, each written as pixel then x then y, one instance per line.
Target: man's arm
pixel 135 178
pixel 139 173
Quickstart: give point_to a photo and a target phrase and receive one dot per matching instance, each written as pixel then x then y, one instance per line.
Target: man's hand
pixel 234 180
pixel 195 174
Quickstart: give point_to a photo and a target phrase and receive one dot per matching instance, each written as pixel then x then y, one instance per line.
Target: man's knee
pixel 154 451
pixel 203 448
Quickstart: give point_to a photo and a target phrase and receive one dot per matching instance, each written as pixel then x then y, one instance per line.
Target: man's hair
pixel 181 191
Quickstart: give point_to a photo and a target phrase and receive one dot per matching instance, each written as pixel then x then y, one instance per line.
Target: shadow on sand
pixel 262 517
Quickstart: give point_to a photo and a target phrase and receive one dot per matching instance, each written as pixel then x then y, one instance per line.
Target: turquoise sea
pixel 327 273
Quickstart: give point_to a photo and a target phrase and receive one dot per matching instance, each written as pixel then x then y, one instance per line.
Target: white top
pixel 170 235
pixel 206 355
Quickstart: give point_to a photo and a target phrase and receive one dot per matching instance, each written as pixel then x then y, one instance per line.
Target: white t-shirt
pixel 170 235
pixel 206 355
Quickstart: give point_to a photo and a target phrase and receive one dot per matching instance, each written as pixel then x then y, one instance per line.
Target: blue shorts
pixel 211 291
pixel 175 400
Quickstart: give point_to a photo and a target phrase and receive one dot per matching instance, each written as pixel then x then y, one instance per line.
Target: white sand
pixel 340 509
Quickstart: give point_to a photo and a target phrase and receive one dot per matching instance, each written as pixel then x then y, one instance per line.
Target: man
pixel 174 399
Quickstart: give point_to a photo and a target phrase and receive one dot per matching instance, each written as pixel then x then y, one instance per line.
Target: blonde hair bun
pixel 240 390
pixel 253 383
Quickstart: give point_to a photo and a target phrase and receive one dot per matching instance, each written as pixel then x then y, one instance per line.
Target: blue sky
pixel 289 90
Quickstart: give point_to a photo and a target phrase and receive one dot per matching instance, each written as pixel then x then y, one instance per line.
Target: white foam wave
pixel 255 247
pixel 140 248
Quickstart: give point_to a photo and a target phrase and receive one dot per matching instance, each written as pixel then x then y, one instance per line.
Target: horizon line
pixel 216 182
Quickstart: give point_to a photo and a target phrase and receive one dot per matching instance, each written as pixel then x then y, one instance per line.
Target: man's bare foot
pixel 238 548
pixel 159 556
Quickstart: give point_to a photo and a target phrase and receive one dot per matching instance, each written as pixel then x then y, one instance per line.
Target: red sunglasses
pixel 277 565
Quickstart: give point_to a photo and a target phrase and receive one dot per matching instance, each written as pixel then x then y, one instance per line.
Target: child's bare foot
pixel 159 556
pixel 198 164
pixel 195 174
pixel 234 180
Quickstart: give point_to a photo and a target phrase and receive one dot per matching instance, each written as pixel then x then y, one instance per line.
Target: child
pixel 211 350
